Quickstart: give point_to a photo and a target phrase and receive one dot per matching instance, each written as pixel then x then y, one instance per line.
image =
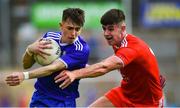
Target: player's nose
pixel 106 32
pixel 72 36
pixel 73 32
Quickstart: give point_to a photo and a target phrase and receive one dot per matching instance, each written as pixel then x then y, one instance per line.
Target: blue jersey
pixel 74 56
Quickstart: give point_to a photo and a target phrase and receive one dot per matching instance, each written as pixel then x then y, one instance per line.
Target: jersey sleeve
pixel 75 60
pixel 126 55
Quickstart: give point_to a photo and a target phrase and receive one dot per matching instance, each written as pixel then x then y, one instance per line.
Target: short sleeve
pixel 126 54
pixel 75 60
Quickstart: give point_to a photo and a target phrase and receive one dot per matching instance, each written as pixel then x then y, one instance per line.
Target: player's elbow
pixel 104 69
pixel 108 67
pixel 27 62
pixel 57 66
pixel 26 67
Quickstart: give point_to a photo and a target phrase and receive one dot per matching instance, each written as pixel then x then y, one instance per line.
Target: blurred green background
pixel 23 21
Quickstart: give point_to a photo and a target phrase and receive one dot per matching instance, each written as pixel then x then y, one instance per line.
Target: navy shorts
pixel 41 100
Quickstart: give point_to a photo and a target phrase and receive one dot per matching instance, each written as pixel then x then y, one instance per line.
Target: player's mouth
pixel 71 38
pixel 109 38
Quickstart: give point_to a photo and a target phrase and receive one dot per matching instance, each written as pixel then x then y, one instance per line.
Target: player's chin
pixel 111 43
pixel 70 41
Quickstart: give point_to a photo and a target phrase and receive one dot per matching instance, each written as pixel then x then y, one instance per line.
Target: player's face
pixel 112 34
pixel 70 31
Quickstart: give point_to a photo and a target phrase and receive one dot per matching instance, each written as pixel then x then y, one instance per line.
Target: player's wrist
pixel 26 75
pixel 74 76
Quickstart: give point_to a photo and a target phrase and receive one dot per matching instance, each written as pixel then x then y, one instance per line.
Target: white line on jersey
pixel 78 45
pixel 124 43
pixel 53 34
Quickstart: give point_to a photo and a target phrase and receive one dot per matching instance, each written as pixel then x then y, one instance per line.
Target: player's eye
pixel 70 28
pixel 77 29
pixel 110 29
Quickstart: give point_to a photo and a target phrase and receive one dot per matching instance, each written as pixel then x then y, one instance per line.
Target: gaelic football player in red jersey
pixel 135 60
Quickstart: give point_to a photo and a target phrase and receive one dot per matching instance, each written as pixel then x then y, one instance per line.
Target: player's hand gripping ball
pixel 54 53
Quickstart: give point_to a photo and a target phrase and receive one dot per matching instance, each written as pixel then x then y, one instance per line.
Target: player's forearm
pixel 91 71
pixel 28 60
pixel 41 72
pixel 98 69
pixel 46 70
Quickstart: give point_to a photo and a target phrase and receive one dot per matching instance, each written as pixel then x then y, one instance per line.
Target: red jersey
pixel 141 83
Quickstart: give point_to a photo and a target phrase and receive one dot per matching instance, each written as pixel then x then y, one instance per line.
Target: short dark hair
pixel 113 16
pixel 74 14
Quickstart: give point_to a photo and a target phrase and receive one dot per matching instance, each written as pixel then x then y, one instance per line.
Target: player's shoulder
pixel 52 35
pixel 131 37
pixel 80 44
pixel 134 40
pixel 136 43
pixel 81 39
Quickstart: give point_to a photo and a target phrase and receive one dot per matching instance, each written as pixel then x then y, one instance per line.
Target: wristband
pixel 26 75
pixel 28 52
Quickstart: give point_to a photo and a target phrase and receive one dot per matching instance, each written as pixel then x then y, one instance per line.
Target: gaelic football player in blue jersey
pixel 74 55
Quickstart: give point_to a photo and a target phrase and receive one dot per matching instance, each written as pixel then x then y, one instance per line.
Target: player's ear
pixel 123 26
pixel 60 24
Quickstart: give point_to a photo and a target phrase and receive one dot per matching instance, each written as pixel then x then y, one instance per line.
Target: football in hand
pixel 54 53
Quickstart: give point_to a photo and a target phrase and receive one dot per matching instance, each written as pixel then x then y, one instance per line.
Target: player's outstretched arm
pixel 95 70
pixel 17 77
pixel 34 48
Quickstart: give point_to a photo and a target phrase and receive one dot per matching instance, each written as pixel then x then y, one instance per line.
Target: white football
pixel 54 53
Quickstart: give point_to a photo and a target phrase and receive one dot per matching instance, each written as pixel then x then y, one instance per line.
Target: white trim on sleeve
pixel 119 60
pixel 63 62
